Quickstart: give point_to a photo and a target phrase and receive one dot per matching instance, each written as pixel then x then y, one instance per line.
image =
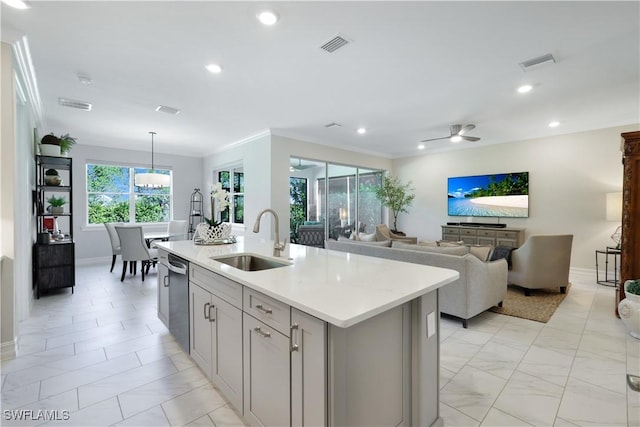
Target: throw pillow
pixel 448 250
pixel 500 252
pixel 481 252
pixel 447 243
pixel 430 243
pixel 363 237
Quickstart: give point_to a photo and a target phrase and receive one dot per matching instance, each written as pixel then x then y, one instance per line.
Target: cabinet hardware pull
pixel 165 281
pixel 211 318
pixel 261 332
pixel 206 310
pixel 266 310
pixel 294 347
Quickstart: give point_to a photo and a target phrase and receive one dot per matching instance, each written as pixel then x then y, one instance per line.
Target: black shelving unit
pixel 196 213
pixel 53 259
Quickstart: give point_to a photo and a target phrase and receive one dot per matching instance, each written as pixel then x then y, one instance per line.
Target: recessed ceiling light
pixel 267 17
pixel 554 124
pixel 214 68
pixel 362 131
pixel 84 79
pixel 421 147
pixel 17 4
pixel 525 89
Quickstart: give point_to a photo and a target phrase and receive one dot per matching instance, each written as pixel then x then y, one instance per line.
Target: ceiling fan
pixel 458 133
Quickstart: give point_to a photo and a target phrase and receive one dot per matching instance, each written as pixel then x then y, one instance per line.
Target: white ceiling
pixel 412 69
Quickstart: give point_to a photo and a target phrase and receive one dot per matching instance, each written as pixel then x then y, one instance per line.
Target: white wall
pixel 569 176
pixel 7 197
pixel 92 241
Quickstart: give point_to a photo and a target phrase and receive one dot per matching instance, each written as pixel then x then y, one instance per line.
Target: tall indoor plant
pixel 396 196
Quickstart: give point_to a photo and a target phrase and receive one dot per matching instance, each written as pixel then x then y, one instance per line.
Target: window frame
pixel 131 194
pixel 230 210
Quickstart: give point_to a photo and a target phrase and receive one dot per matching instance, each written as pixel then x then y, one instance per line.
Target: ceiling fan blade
pixel 455 129
pixel 435 139
pixel 466 129
pixel 470 138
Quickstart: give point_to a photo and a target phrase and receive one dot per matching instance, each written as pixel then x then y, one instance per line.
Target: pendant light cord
pixel 153 169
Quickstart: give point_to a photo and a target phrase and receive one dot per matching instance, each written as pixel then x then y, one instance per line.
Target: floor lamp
pixel 614 213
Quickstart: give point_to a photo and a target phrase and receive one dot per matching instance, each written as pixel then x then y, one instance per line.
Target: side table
pixel 615 252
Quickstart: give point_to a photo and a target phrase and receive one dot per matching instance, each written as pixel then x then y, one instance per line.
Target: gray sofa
pixel 481 285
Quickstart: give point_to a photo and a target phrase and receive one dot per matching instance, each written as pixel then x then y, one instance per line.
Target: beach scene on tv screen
pixel 498 195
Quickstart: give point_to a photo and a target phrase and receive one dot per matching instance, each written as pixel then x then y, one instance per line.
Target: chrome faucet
pixel 277 246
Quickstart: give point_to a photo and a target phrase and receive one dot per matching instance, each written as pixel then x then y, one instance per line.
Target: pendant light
pixel 152 179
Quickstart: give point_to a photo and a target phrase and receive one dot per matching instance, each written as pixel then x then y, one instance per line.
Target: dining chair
pixel 134 249
pixel 114 239
pixel 177 230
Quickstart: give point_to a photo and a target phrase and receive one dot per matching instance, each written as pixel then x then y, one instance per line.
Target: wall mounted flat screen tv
pixel 497 195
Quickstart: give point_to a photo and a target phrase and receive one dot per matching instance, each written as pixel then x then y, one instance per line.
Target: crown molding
pixel 26 80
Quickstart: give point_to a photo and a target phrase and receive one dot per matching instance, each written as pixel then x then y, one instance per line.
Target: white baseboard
pixel 585 271
pixel 8 350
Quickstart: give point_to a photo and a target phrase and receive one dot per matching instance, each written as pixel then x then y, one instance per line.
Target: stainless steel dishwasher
pixel 179 300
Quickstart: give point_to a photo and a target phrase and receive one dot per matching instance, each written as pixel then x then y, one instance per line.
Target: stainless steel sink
pixel 248 262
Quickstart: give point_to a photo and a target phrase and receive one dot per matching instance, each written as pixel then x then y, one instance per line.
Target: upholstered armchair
pixel 542 262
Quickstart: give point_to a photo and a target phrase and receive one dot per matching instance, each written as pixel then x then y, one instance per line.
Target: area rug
pixel 540 306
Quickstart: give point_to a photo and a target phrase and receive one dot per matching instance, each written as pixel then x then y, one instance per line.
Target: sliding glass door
pixel 339 198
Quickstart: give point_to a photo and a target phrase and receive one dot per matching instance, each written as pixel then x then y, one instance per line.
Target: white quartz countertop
pixel 337 287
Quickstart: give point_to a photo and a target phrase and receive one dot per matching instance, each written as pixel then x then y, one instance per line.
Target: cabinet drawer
pixel 486 241
pixel 487 233
pixel 507 242
pixel 163 257
pixel 508 234
pixel 468 232
pixel 450 230
pixel 469 240
pixel 218 285
pixel 274 313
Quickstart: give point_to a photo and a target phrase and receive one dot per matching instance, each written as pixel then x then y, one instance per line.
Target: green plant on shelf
pixel 57 202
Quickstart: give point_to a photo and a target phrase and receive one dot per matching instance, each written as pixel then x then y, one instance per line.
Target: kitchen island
pixel 327 338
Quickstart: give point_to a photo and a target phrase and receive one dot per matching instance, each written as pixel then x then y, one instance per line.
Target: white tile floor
pixel 101 357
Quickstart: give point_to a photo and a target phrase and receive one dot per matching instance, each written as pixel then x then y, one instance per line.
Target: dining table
pixel 163 236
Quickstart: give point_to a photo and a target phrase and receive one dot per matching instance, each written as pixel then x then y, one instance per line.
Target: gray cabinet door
pixel 163 294
pixel 266 375
pixel 308 370
pixel 201 330
pixel 227 350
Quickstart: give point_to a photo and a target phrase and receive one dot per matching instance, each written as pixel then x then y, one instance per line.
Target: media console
pixel 483 234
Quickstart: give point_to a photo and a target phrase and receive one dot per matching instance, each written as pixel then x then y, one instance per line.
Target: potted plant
pixel 56 204
pixel 52 177
pixel 212 231
pixel 629 308
pixel 50 145
pixel 66 143
pixel 396 196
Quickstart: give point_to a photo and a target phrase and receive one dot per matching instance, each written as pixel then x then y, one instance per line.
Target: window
pixel 112 196
pixel 234 213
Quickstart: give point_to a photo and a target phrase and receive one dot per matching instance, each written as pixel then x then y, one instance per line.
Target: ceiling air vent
pixel 334 44
pixel 168 110
pixel 536 62
pixel 332 125
pixel 81 105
